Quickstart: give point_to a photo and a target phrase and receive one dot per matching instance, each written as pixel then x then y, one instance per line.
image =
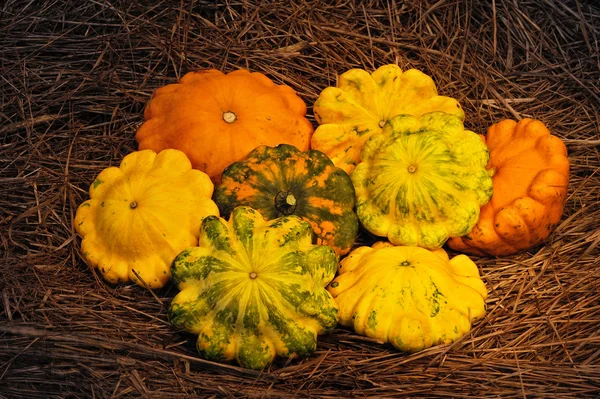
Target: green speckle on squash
pixel 372 320
pixel 254 353
pixel 96 183
pixel 435 297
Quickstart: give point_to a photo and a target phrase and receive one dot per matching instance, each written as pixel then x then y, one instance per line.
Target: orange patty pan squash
pixel 217 118
pixel 530 172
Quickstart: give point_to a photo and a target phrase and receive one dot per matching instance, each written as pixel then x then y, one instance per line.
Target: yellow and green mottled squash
pixel 254 289
pixel 362 103
pixel 280 181
pixel 422 180
pixel 410 297
pixel 141 214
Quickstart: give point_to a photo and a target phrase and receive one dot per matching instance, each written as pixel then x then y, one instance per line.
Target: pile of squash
pixel 255 216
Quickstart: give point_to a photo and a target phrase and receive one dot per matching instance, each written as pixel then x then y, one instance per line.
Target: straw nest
pixel 75 76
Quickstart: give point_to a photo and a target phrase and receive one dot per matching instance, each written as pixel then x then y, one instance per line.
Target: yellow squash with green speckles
pixel 362 103
pixel 410 297
pixel 422 180
pixel 141 214
pixel 254 289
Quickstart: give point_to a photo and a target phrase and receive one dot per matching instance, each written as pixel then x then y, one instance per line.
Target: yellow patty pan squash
pixel 422 180
pixel 530 169
pixel 362 103
pixel 254 289
pixel 410 297
pixel 141 214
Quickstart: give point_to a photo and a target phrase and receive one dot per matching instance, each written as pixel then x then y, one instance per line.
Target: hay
pixel 74 78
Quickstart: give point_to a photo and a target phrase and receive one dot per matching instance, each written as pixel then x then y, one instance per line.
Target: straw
pixel 74 80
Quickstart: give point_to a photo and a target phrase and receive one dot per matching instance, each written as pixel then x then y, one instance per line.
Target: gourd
pixel 410 297
pixel 422 180
pixel 141 214
pixel 362 103
pixel 530 170
pixel 217 119
pixel 280 181
pixel 254 289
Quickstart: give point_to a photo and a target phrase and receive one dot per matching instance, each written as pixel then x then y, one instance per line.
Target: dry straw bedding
pixel 74 78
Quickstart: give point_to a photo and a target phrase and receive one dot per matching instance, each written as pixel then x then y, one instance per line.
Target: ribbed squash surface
pixel 284 181
pixel 217 118
pixel 408 296
pixel 530 170
pixel 141 214
pixel 254 289
pixel 422 180
pixel 361 104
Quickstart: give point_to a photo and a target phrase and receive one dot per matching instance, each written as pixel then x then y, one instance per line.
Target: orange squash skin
pixel 530 176
pixel 217 119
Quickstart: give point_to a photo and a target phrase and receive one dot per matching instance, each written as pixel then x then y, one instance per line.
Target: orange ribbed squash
pixel 217 119
pixel 530 172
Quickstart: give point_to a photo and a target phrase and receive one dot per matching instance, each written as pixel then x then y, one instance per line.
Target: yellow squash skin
pixel 362 103
pixel 422 180
pixel 141 214
pixel 530 169
pixel 254 289
pixel 408 296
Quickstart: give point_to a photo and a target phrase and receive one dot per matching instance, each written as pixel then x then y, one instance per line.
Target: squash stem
pixel 285 202
pixel 229 117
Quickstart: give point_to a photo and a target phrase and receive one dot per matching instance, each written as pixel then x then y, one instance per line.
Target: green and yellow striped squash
pixel 422 180
pixel 280 181
pixel 410 297
pixel 254 289
pixel 362 103
pixel 141 214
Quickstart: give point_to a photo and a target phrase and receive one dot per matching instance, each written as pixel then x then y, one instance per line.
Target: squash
pixel 254 289
pixel 530 170
pixel 217 119
pixel 410 297
pixel 422 180
pixel 141 214
pixel 284 181
pixel 362 103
